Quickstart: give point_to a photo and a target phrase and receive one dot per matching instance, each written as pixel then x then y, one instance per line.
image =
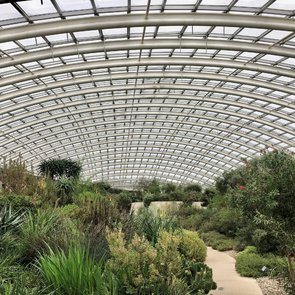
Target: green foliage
pixel 219 241
pixel 70 210
pixel 149 225
pixel 18 202
pixel 74 272
pixel 189 217
pixel 134 265
pixel 250 263
pixel 96 209
pixel 17 179
pixel 198 277
pixel 193 247
pixel 56 168
pixel 147 199
pixel 225 221
pixel 45 227
pixel 65 189
pixel 17 288
pixel 124 200
pixel 270 194
pixel 10 219
pixel 144 269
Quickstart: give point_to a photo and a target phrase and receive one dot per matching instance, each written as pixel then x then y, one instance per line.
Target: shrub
pixel 250 264
pixel 147 199
pixel 73 273
pixel 189 217
pixel 124 200
pixel 70 210
pixel 198 277
pixel 264 241
pixel 226 221
pixel 134 265
pixel 144 269
pixel 193 247
pixel 96 210
pixel 18 202
pixel 168 257
pixel 219 241
pixel 150 226
pixel 45 227
pixel 17 179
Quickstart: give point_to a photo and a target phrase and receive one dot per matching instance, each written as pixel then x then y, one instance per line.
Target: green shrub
pixel 73 273
pixel 42 228
pixel 198 277
pixel 124 200
pixel 17 288
pixel 264 241
pixel 150 226
pixel 144 269
pixel 70 210
pixel 219 241
pixel 193 247
pixel 134 265
pixel 226 221
pixel 147 199
pixel 96 210
pixel 10 219
pixel 250 263
pixel 17 202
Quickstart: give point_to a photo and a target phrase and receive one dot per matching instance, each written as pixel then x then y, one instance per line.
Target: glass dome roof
pixel 147 88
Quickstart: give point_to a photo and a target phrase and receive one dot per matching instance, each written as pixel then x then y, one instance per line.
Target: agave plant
pixel 9 219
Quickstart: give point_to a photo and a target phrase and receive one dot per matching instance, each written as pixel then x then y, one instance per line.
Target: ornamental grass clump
pixel 74 272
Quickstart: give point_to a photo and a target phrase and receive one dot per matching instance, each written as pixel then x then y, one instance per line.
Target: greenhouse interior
pixel 147 147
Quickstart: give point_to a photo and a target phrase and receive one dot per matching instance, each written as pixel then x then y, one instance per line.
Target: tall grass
pixel 76 272
pixel 149 225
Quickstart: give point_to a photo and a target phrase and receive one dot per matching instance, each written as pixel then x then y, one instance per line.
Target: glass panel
pixel 34 7
pixel 70 5
pixel 7 11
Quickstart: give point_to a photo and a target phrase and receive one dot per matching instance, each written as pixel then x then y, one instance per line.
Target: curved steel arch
pixel 236 118
pixel 146 75
pixel 279 138
pixel 149 174
pixel 145 120
pixel 125 165
pixel 153 87
pixel 152 61
pixel 176 173
pixel 191 107
pixel 141 20
pixel 145 44
pixel 154 145
pixel 138 133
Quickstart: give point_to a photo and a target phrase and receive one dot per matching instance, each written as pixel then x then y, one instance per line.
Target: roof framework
pixel 147 88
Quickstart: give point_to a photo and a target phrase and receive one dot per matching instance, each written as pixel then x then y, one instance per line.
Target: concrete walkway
pixel 228 281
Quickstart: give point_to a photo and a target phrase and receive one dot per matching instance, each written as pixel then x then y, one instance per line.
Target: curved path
pixel 229 282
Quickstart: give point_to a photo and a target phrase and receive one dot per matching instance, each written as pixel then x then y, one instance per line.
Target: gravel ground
pixel 268 286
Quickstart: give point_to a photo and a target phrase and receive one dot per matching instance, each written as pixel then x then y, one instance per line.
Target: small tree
pixel 56 168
